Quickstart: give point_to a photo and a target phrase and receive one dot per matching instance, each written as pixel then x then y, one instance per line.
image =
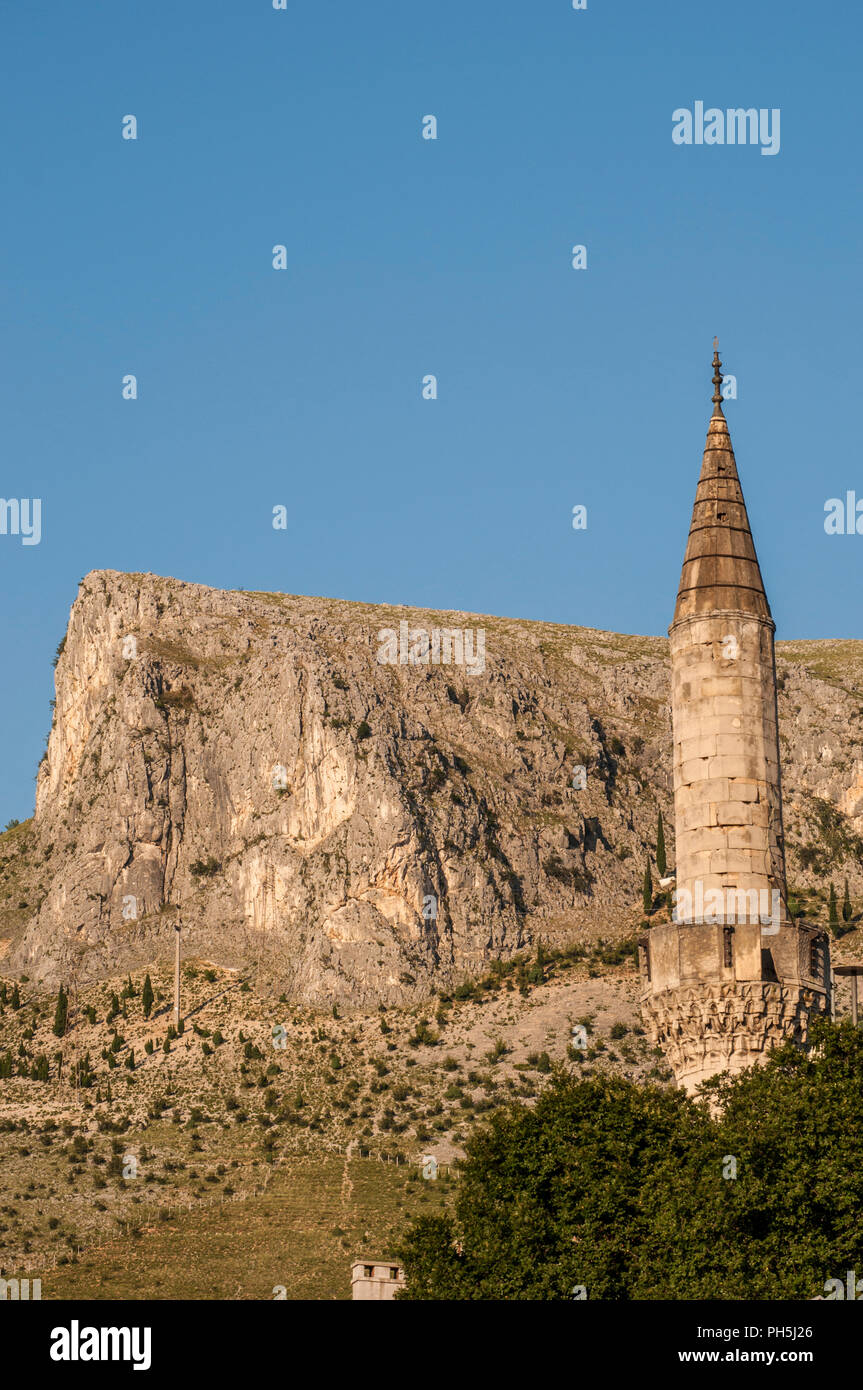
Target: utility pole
pixel 177 978
pixel 854 971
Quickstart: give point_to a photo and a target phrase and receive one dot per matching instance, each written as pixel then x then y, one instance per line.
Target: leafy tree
pixel 753 1191
pixel 846 905
pixel 647 888
pixel 545 1194
pixel 661 862
pixel 61 1014
pixel 832 910
pixel 147 997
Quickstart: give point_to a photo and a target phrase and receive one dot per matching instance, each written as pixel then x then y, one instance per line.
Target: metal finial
pixel 717 374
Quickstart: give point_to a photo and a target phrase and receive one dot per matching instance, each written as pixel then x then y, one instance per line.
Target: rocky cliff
pixel 327 786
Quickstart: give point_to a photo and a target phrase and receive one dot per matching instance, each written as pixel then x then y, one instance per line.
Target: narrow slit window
pixel 815 958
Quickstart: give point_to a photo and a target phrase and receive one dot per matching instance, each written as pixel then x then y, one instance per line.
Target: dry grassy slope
pixel 218 1135
pixel 161 766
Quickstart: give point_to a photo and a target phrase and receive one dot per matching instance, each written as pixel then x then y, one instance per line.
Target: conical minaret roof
pixel 720 569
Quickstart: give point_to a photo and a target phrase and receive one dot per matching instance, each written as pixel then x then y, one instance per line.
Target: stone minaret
pixel 731 975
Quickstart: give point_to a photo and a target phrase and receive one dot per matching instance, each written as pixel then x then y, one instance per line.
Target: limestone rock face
pixel 245 763
pixel 248 763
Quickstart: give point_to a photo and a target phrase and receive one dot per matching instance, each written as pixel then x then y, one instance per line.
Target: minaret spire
pixel 717 379
pixel 730 975
pixel 720 568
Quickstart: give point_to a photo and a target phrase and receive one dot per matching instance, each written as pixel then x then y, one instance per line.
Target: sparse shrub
pixel 205 868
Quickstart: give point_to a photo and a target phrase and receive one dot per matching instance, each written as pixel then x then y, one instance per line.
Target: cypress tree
pixel 833 912
pixel 130 1060
pixel 647 889
pixel 115 1007
pixel 147 997
pixel 537 974
pixel 661 862
pixel 61 1013
pixel 846 904
pixel 16 998
pixel 3 993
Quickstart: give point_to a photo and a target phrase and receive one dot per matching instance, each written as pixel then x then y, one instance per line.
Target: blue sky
pixel 407 257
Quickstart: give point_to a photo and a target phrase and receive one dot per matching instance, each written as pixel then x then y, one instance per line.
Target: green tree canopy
pixel 637 1192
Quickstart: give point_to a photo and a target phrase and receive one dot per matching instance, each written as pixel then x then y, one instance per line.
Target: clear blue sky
pixel 408 257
